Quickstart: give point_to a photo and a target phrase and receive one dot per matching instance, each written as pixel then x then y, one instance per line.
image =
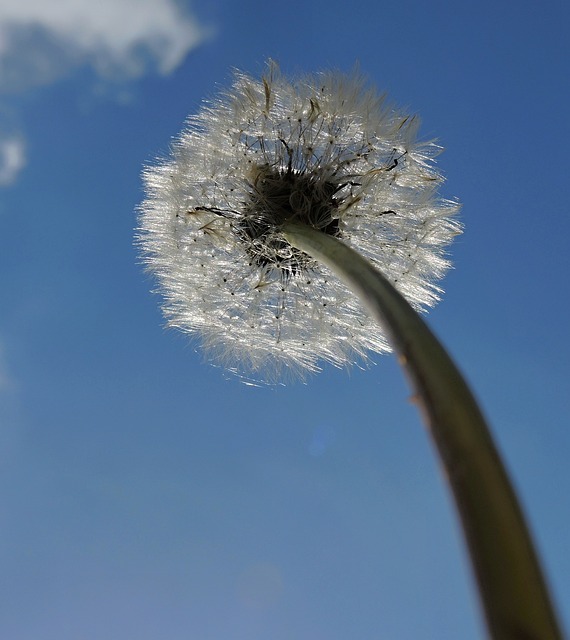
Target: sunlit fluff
pixel 325 150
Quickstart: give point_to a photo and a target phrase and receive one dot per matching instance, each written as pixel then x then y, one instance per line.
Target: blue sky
pixel 146 494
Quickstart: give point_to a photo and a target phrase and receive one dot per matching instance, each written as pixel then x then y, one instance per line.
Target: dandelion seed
pixel 325 151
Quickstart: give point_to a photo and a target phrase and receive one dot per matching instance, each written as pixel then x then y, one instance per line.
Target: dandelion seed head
pixel 324 150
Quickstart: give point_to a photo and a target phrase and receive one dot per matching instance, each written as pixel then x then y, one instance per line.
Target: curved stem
pixel 513 591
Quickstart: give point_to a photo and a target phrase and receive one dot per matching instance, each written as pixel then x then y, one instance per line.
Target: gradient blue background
pixel 145 494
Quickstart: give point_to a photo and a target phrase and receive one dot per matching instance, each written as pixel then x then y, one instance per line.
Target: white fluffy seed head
pixel 325 150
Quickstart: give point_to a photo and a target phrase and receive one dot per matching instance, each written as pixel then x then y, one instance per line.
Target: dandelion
pixel 298 222
pixel 325 151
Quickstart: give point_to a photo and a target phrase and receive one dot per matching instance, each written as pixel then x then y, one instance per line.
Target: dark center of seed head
pixel 279 196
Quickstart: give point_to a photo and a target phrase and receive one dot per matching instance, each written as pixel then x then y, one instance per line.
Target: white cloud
pixel 42 40
pixel 12 160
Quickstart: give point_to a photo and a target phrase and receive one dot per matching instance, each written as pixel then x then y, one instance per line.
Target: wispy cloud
pixel 41 41
pixel 12 160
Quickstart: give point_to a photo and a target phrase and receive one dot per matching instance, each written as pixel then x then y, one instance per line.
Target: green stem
pixel 512 588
